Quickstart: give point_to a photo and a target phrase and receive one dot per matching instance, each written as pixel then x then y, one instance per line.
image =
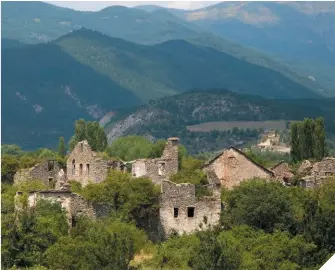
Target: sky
pixel 98 5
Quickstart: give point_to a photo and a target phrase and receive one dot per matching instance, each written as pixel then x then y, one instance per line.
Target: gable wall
pixel 232 168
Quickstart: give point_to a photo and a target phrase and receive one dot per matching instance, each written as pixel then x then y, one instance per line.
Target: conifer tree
pixel 295 150
pixel 61 147
pixel 319 139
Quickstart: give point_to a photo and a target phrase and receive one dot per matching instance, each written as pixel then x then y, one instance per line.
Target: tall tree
pixel 295 150
pixel 308 127
pixel 90 131
pixel 61 147
pixel 319 144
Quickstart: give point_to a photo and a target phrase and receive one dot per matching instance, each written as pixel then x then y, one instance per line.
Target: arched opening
pixel 73 167
pixel 88 169
pixel 81 169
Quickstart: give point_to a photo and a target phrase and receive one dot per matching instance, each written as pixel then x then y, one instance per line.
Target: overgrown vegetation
pixel 308 139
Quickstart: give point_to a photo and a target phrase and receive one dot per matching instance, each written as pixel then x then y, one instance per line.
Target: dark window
pixel 50 166
pixel 73 221
pixel 190 211
pixel 81 169
pixel 73 167
pixel 88 169
pixel 81 147
pixel 175 212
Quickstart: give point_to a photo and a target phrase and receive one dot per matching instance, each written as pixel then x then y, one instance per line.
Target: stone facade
pixel 86 166
pixel 182 212
pixel 46 171
pixel 73 204
pixel 318 172
pixel 282 172
pixel 232 167
pixel 159 169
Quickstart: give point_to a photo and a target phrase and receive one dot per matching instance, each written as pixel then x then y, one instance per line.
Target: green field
pixel 226 125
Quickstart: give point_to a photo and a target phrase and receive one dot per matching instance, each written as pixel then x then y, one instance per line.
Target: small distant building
pixel 46 171
pixel 182 212
pixel 87 166
pixel 232 167
pixel 271 142
pixel 159 169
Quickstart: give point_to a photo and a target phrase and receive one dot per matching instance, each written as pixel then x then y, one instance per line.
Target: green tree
pixel 295 146
pixel 90 131
pixel 126 198
pixel 260 204
pixel 9 165
pixel 113 247
pixel 61 147
pixel 25 240
pixel 319 145
pixel 130 147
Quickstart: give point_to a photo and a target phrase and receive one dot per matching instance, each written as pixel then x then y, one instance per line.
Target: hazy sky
pixel 98 5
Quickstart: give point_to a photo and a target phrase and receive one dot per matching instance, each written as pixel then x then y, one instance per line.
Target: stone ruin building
pixel 282 172
pixel 86 166
pixel 159 169
pixel 232 167
pixel 46 171
pixel 182 212
pixel 317 173
pixel 73 204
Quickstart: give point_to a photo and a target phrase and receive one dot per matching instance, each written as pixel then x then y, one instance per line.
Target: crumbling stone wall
pixel 73 204
pixel 86 166
pixel 318 172
pixel 159 169
pixel 233 166
pixel 46 171
pixel 181 212
pixel 282 172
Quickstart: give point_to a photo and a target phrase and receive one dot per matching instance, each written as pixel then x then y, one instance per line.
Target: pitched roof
pixel 242 153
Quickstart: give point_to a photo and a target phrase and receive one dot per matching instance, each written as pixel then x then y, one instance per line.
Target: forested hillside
pixel 299 34
pixel 170 116
pixel 35 22
pixel 87 74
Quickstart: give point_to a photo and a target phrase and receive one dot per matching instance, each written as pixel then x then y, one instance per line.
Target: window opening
pixel 190 211
pixel 175 212
pixel 81 169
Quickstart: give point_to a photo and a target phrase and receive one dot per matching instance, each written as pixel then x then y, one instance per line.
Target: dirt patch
pixel 227 125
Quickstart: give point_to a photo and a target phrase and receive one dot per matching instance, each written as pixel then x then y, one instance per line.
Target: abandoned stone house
pixel 73 204
pixel 232 167
pixel 182 212
pixel 159 169
pixel 317 173
pixel 46 171
pixel 87 166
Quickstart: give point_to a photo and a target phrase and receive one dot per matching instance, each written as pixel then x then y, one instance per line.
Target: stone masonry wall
pixel 176 202
pixel 159 169
pixel 84 166
pixel 73 204
pixel 46 172
pixel 232 167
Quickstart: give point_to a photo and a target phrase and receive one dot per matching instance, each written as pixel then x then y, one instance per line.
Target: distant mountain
pixel 44 90
pixel 87 74
pixel 35 22
pixel 175 66
pixel 300 34
pixel 170 116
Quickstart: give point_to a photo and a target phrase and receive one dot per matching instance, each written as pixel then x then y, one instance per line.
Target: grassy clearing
pixel 227 125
